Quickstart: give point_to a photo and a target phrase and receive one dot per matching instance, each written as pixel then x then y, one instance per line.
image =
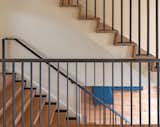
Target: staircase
pixel 24 105
pixel 37 117
pixel 33 102
pixel 119 39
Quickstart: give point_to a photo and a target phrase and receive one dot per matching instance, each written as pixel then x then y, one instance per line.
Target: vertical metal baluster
pixel 58 101
pixel 104 110
pixel 157 56
pixel 131 94
pixel 4 93
pixel 89 108
pixel 67 98
pixel 22 94
pixel 79 100
pixel 94 85
pixel 86 9
pixel 31 94
pixel 149 95
pixel 40 92
pixel 3 49
pixel 13 94
pixel 77 119
pixel 130 38
pixel 139 27
pixel 4 83
pixel 113 91
pixel 157 30
pixel 104 15
pixel 158 96
pixel 100 114
pixel 122 93
pixel 49 93
pixel 85 106
pixel 95 8
pixel 140 95
pixel 112 14
pixel 110 119
pixel 121 21
pixel 77 2
pixel 115 119
pixel 148 27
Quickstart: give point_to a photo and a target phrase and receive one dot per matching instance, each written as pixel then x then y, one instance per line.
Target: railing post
pixel 4 89
pixel 22 93
pixel 121 21
pixel 130 38
pixel 148 27
pixel 49 95
pixel 3 48
pixel 95 8
pixel 31 94
pixel 140 94
pixel 112 14
pixel 139 27
pixel 13 94
pixel 122 95
pixel 113 122
pixel 149 94
pixel 131 93
pixel 4 83
pixel 104 15
pixel 158 95
pixel 86 9
pixel 157 30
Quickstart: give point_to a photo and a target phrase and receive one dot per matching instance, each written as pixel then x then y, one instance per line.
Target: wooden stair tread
pixel 45 115
pixel 62 119
pixel 8 81
pixel 108 29
pixel 9 96
pixel 17 109
pixel 67 3
pixel 83 17
pixel 35 112
pixel 124 41
pixel 144 56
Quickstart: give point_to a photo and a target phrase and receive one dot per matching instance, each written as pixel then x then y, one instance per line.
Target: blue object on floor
pixel 127 88
pixel 105 93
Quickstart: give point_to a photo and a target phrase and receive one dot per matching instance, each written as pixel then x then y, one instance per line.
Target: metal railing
pixel 130 19
pixel 81 87
pixel 137 106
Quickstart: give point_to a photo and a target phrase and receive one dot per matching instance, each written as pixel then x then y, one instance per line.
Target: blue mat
pixel 105 93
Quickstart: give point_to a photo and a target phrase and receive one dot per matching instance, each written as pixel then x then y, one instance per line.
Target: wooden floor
pixel 94 114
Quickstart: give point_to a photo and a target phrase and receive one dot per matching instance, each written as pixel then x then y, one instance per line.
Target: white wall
pixel 61 25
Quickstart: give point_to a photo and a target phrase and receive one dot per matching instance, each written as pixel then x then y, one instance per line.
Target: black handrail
pixel 60 72
pixel 37 55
